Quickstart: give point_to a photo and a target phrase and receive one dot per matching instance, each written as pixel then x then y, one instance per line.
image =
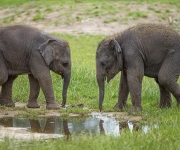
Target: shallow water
pixel 58 127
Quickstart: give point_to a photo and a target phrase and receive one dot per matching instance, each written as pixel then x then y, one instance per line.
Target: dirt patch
pixel 21 109
pixel 106 19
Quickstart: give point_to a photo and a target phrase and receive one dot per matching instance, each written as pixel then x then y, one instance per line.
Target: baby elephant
pixel 149 49
pixel 26 50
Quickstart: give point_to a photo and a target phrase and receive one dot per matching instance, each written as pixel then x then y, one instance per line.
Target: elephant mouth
pixel 105 78
pixel 109 77
pixel 62 75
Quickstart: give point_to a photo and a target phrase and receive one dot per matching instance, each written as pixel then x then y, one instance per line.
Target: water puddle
pixel 57 127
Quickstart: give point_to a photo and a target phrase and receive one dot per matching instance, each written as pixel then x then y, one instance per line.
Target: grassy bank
pixel 165 137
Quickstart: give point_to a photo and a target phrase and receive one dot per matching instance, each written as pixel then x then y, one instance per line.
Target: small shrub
pixel 168 11
pixel 27 13
pixel 111 20
pixel 157 11
pixel 38 16
pixel 78 18
pixel 150 8
pixel 137 14
pixel 48 9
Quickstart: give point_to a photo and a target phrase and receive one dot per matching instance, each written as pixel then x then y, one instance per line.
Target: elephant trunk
pixel 100 81
pixel 65 87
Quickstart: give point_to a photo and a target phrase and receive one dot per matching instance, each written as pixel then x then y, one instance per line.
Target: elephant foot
pixel 8 104
pixel 178 105
pixel 119 107
pixel 166 105
pixel 53 106
pixel 135 110
pixel 63 105
pixel 33 105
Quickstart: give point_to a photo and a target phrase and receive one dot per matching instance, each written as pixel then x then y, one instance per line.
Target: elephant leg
pixel 47 88
pixel 168 76
pixel 134 79
pixel 6 92
pixel 165 96
pixel 123 91
pixel 41 73
pixel 45 82
pixel 34 92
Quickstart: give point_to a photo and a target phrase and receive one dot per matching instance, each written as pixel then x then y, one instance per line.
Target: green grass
pixel 9 3
pixel 83 87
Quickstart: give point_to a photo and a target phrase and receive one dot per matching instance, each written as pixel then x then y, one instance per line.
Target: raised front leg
pixel 165 96
pixel 123 91
pixel 6 92
pixel 34 92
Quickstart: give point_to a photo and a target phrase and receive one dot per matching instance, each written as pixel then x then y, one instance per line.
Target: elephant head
pixel 56 53
pixel 108 63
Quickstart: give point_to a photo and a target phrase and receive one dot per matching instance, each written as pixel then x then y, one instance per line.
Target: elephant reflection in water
pixel 101 128
pixel 66 129
pixel 49 126
pixel 123 125
pixel 36 127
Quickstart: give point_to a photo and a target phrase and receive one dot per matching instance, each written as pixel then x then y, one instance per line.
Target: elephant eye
pixel 65 64
pixel 103 64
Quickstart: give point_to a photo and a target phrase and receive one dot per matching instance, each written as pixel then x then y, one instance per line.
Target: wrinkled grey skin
pixel 26 50
pixel 145 50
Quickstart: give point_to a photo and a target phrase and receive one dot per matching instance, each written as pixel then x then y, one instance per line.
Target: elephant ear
pixel 114 45
pixel 116 48
pixel 46 50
